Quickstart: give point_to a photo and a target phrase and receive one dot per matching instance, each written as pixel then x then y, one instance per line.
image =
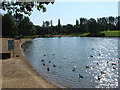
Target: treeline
pixel 22 26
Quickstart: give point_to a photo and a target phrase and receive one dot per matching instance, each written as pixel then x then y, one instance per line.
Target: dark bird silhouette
pixel 87 66
pixel 103 72
pixel 99 54
pixel 74 68
pixel 97 63
pixel 48 69
pixel 49 61
pixel 114 68
pixel 113 63
pixel 91 56
pixel 99 77
pixel 92 48
pixel 44 55
pixel 43 64
pixel 80 76
pixel 54 65
pixel 42 60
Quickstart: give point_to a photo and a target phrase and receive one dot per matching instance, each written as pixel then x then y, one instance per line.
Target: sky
pixel 68 12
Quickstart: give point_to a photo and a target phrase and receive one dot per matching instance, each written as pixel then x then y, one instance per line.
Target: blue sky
pixel 68 12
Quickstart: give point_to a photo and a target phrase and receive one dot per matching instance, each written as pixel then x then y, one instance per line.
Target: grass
pixel 115 33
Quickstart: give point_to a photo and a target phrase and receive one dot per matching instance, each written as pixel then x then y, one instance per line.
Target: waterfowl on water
pixel 44 55
pixel 48 69
pixel 74 68
pixel 80 76
pixel 42 60
pixel 114 68
pixel 99 54
pixel 54 65
pixel 49 61
pixel 113 63
pixel 97 63
pixel 92 48
pixel 87 66
pixel 43 64
pixel 91 56
pixel 103 72
pixel 99 77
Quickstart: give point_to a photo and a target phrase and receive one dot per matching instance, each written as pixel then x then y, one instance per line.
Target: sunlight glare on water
pixel 75 62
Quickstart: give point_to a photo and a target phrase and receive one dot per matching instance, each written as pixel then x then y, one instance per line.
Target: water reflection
pixel 76 62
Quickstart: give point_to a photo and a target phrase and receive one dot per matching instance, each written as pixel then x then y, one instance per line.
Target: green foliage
pixel 25 7
pixel 25 26
pixel 8 25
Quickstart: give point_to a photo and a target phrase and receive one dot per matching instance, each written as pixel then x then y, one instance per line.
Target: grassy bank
pixel 111 33
pixel 115 33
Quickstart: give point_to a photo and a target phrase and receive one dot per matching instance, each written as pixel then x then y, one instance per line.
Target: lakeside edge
pixel 17 72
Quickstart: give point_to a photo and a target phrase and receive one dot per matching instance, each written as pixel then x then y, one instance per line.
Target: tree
pixel 18 9
pixel 92 28
pixel 77 22
pixel 51 23
pixel 25 27
pixel 118 22
pixel 111 21
pixel 43 24
pixel 59 24
pixel 15 8
pixel 8 25
pixel 46 24
pixel 83 27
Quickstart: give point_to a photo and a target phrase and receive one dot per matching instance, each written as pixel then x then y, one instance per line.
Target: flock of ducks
pixel 102 72
pixel 74 68
pixel 48 68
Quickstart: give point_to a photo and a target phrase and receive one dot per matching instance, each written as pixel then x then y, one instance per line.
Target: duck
pixel 92 48
pixel 87 66
pixel 80 76
pixel 74 68
pixel 43 64
pixel 99 77
pixel 42 60
pixel 48 69
pixel 114 68
pixel 54 65
pixel 97 63
pixel 113 63
pixel 103 72
pixel 91 56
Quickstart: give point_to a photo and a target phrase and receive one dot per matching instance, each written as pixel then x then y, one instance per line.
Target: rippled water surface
pixel 75 62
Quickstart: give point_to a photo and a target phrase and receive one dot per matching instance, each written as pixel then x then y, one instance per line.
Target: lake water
pixel 75 62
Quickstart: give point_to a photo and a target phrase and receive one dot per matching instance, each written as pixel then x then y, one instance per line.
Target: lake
pixel 75 62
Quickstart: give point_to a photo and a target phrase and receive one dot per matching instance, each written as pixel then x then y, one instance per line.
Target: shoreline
pixel 31 65
pixel 19 73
